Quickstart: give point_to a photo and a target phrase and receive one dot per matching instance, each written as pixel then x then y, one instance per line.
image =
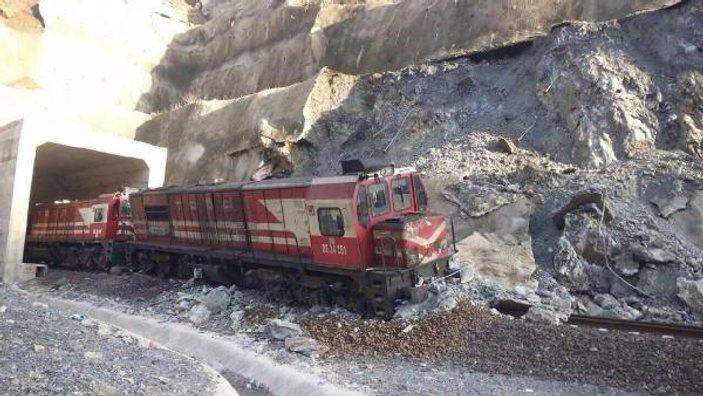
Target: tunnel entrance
pixel 71 173
pixel 44 160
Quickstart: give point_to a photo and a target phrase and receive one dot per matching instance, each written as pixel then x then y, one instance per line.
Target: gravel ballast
pixel 473 338
pixel 44 351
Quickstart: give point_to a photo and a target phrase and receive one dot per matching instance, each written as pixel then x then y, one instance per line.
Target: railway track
pixel 518 309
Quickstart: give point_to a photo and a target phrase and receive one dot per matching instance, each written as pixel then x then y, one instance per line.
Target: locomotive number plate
pixel 333 248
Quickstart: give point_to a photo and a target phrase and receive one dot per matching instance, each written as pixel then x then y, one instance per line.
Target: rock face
pixel 689 98
pixel 263 124
pixel 247 47
pixel 601 98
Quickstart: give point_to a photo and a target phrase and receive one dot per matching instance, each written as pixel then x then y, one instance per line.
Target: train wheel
pixel 164 270
pixel 184 269
pixel 99 260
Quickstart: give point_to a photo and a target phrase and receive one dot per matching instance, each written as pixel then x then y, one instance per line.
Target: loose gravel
pixel 478 341
pixel 43 351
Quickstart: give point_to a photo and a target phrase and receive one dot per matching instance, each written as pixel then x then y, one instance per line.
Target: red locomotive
pixel 82 234
pixel 360 240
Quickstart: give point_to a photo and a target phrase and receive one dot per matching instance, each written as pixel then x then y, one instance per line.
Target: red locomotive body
pixel 359 239
pixel 79 233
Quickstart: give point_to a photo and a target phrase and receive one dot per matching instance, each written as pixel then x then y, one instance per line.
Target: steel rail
pixel 518 309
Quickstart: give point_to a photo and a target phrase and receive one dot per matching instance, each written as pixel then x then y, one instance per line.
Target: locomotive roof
pixel 304 181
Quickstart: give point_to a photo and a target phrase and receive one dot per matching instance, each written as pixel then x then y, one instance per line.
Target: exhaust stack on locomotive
pixel 361 240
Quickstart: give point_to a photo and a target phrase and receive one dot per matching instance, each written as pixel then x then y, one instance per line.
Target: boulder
pixel 236 318
pixel 475 200
pixel 653 255
pixel 216 300
pixel 447 304
pixel 669 199
pixel 506 146
pixel 663 315
pixel 587 235
pixel 199 314
pixel 625 264
pixel 606 301
pixel 545 315
pixel 607 306
pixel 304 345
pixel 689 222
pixel 571 269
pixel 118 270
pixel 183 305
pixel 498 245
pixel 280 329
pixel 691 292
pixel 559 300
pixel 659 281
pixel 591 200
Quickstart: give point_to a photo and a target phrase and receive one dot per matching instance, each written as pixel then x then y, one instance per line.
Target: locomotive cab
pixel 392 218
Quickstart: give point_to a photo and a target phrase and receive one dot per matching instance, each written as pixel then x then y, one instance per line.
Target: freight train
pixel 360 240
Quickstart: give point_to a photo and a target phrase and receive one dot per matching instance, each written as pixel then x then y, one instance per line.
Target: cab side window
pixel 98 215
pixel 401 193
pixel 362 206
pixel 379 199
pixel 331 221
pixel 420 194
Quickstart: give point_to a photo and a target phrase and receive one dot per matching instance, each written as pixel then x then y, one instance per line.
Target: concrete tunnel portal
pixel 70 173
pixel 44 161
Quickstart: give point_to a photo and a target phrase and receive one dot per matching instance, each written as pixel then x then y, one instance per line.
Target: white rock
pixel 304 345
pixel 280 329
pixel 544 315
pixel 199 314
pixel 215 300
pixel 39 348
pixel 183 305
pixel 93 355
pixel 236 317
pixel 447 304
